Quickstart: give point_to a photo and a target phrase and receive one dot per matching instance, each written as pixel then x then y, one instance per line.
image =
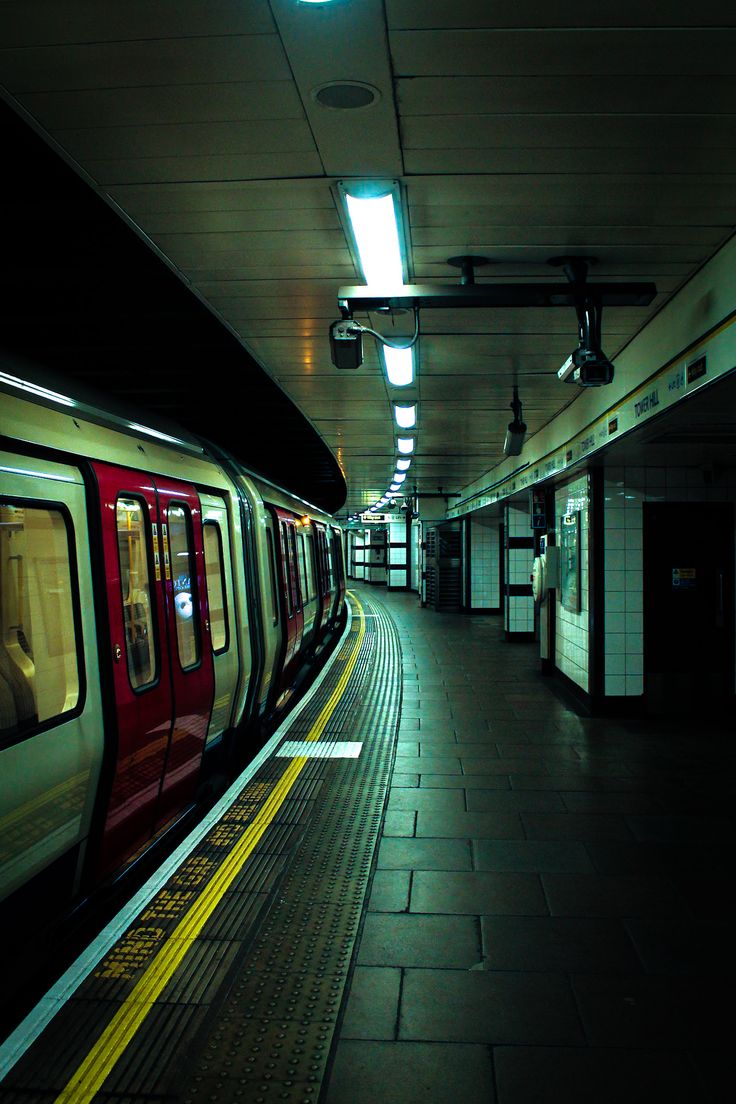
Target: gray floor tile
pixel 615 803
pixel 587 782
pixel 476 764
pixel 575 826
pixel 524 801
pixel 681 829
pixel 448 825
pixel 466 781
pixel 411 1073
pixel 372 1010
pixel 561 1075
pixel 401 778
pixel 557 944
pixel 407 747
pixel 430 800
pixel 451 942
pixel 668 947
pixel 613 895
pixel 647 1011
pixel 390 891
pixel 424 854
pixel 496 1008
pixel 429 764
pixel 399 822
pixel 475 892
pixel 535 856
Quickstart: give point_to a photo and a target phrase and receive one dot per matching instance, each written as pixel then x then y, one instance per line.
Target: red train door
pixel 189 643
pixel 293 613
pixel 162 681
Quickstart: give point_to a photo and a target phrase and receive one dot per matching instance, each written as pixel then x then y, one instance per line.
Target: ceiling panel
pixel 519 130
pixel 41 22
pixel 166 105
pixel 585 92
pixel 148 62
pixel 617 52
pixel 408 14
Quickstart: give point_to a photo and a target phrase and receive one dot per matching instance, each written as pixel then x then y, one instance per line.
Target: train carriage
pixel 158 606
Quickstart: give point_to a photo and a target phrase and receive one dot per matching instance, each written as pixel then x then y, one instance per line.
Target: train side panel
pixel 51 738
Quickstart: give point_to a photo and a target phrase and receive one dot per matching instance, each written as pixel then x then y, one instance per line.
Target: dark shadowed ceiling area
pixel 87 305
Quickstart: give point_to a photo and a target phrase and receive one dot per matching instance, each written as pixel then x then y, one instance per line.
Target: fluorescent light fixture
pixel 406 416
pixel 395 486
pixel 374 222
pixel 399 365
pixel 399 478
pixel 403 464
pixel 405 445
pixel 35 389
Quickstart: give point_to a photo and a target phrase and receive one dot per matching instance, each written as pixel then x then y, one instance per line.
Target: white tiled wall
pixel 518 611
pixel 397 556
pixel 484 566
pixel 571 629
pixel 359 547
pixel 625 490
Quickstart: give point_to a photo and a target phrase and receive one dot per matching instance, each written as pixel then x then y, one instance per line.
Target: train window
pixel 136 592
pixel 39 666
pixel 296 583
pixel 272 574
pixel 337 556
pixel 303 567
pixel 285 564
pixel 309 572
pixel 330 569
pixel 215 576
pixel 184 576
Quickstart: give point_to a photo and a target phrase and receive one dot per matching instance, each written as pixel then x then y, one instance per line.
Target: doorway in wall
pixel 688 606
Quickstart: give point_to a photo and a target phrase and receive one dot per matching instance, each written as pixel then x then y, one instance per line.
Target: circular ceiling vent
pixel 346 95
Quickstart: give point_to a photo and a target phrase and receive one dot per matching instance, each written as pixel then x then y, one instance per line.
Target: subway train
pixel 158 606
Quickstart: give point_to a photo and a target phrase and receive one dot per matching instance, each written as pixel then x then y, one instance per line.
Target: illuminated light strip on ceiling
pixel 399 365
pixel 405 445
pixel 376 229
pixel 406 416
pixel 403 464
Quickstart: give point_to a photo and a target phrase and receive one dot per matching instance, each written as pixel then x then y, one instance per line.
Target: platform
pixel 439 883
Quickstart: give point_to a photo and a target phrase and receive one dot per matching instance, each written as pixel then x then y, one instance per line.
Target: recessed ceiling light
pixel 346 95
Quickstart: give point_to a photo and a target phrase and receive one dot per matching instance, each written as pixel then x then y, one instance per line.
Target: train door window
pixel 215 576
pixel 135 583
pixel 272 575
pixel 330 570
pixel 295 565
pixel 309 570
pixel 39 623
pixel 303 567
pixel 286 570
pixel 184 578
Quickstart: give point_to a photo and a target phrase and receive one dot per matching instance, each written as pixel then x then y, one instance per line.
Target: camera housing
pixel 346 344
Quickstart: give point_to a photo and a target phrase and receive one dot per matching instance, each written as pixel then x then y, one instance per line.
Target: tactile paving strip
pixel 289 918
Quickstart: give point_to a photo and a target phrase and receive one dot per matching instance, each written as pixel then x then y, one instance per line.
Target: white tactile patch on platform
pixel 315 749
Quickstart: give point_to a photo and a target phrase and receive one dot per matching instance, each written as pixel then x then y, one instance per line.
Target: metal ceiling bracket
pixel 462 296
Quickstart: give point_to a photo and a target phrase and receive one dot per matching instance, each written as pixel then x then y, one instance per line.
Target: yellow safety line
pixel 109 1048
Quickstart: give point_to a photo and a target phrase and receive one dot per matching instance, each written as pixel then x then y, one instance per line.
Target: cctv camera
pixel 588 367
pixel 514 441
pixel 346 344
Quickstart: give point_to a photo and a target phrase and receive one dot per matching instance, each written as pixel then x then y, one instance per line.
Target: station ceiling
pixel 518 131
